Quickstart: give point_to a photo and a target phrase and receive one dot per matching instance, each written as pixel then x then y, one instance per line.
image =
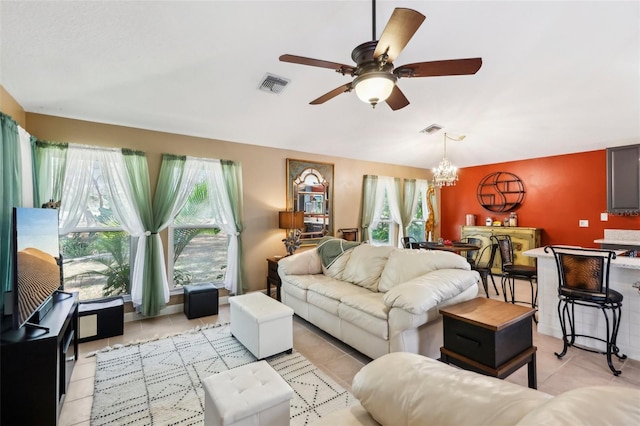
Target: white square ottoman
pixel 262 324
pixel 249 395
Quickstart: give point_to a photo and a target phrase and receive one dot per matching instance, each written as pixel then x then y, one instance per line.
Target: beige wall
pixel 9 106
pixel 264 177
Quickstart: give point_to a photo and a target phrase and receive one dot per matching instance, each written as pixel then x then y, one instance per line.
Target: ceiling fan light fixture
pixel 374 87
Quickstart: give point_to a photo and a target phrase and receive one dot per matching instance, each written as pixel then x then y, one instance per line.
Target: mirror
pixel 310 190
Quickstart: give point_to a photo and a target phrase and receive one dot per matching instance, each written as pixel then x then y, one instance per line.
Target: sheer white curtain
pixel 387 184
pixel 26 172
pixel 223 215
pixel 77 181
pixel 422 187
pixel 114 172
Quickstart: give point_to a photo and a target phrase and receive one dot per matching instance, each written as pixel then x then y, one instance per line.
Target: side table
pixel 272 276
pixel 489 337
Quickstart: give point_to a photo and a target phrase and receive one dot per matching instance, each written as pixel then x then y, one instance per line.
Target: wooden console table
pixel 489 337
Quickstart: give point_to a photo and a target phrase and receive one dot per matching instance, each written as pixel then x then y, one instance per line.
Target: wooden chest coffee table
pixel 489 337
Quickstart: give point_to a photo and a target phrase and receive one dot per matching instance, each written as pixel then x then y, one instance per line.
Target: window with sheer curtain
pixel 418 208
pixel 96 249
pixel 197 244
pixel 386 224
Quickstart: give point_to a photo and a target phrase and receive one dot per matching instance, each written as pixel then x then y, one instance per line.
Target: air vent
pixel 431 129
pixel 273 84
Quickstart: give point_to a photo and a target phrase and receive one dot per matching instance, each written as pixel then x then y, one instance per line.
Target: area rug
pixel 159 382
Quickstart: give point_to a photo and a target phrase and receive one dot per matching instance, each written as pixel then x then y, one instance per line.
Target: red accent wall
pixel 560 191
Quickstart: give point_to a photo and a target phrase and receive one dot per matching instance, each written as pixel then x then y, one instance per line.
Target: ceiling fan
pixel 374 72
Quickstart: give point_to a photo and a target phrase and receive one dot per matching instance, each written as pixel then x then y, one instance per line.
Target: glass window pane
pixel 416 230
pixel 200 255
pixel 197 210
pixel 380 234
pixel 98 211
pixel 96 264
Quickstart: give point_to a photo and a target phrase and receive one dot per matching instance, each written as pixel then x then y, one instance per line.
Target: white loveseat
pixel 378 299
pixel 409 389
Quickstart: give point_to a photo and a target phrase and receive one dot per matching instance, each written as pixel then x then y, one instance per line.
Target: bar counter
pixel 624 277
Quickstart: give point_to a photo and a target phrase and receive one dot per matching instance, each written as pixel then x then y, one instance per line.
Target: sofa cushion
pixel 368 302
pixel 365 265
pixel 427 291
pixel 305 281
pixel 336 289
pixel 297 292
pixel 336 269
pixel 325 303
pixel 404 265
pixel 402 388
pixel 372 324
pixel 302 263
pixel 591 405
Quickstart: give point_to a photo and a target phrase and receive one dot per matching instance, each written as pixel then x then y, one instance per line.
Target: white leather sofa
pixel 378 299
pixel 409 389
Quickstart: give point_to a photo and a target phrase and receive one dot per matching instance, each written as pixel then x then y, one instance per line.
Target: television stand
pixel 38 326
pixel 36 366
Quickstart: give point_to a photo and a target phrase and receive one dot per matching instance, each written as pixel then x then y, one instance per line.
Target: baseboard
pixel 167 310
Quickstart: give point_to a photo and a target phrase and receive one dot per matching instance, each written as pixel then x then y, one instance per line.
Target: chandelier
pixel 446 174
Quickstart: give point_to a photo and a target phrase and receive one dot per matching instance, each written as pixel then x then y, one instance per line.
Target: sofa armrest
pixel 302 263
pixel 402 388
pixel 422 293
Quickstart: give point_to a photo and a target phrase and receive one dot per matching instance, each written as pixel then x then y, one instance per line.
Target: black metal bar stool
pixel 583 277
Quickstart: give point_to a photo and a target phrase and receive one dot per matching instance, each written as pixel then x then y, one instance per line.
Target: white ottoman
pixel 262 324
pixel 249 395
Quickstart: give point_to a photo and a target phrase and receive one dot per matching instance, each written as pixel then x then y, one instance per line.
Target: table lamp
pixel 292 222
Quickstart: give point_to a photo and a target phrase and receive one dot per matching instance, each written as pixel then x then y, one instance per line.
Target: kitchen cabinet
pixel 523 239
pixel 623 179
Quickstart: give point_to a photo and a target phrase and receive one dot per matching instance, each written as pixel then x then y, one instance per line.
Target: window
pixel 419 218
pixel 96 252
pixel 384 230
pixel 197 245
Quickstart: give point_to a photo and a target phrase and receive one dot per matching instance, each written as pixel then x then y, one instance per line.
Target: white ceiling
pixel 557 77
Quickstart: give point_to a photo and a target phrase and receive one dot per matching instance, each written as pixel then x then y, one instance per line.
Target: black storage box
pixel 200 300
pixel 101 318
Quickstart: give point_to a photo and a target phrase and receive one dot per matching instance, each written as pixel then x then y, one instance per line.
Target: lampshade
pixel 290 220
pixel 374 87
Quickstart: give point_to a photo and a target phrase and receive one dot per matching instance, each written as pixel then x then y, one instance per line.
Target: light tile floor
pixel 341 362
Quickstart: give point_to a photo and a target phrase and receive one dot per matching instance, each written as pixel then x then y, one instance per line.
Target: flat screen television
pixel 36 252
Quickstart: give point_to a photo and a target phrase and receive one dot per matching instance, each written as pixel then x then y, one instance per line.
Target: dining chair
pixel 482 263
pixel 583 279
pixel 410 242
pixel 512 271
pixel 471 255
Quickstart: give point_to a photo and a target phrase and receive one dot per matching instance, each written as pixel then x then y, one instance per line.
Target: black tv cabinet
pixel 37 365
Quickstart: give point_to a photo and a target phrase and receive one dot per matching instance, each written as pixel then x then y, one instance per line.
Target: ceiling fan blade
pixel 341 68
pixel 440 68
pixel 397 99
pixel 402 25
pixel 332 94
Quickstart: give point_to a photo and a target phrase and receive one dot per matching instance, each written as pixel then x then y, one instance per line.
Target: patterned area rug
pixel 159 382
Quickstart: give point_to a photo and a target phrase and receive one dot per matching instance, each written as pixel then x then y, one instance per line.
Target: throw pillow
pixel 366 264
